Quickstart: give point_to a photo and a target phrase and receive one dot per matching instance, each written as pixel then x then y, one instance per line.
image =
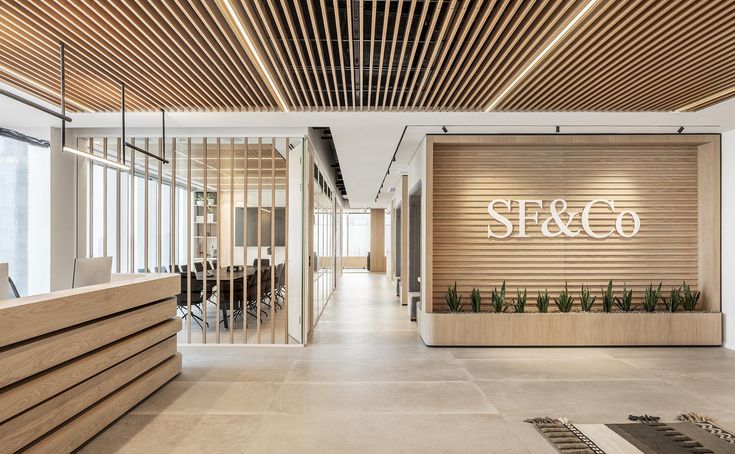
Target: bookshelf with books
pixel 205 225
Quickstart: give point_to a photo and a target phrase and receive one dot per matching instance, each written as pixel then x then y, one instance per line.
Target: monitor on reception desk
pixel 91 271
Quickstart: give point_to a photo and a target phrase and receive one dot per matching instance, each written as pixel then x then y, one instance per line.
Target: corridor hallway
pixel 367 384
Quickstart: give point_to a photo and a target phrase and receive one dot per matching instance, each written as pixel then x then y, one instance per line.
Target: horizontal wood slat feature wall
pixel 671 182
pixel 103 351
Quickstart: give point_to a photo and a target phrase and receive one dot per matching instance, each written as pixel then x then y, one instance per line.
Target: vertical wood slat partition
pixel 218 220
pixel 285 269
pixel 260 226
pixel 273 242
pixel 246 171
pixel 272 168
pixel 232 243
pixel 118 209
pixel 104 199
pixel 145 209
pixel 205 189
pixel 190 262
pixel 671 181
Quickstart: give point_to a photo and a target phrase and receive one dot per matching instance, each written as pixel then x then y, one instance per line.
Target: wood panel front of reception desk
pixel 73 361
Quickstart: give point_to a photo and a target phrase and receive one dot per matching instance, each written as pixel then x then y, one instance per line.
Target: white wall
pixel 63 214
pixel 728 236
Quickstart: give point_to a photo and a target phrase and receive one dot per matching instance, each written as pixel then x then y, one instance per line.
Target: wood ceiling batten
pixel 281 44
pixel 310 54
pixel 232 52
pixel 203 41
pixel 426 44
pixel 666 55
pixel 45 56
pixel 396 26
pixel 399 69
pixel 340 50
pixel 521 48
pixel 299 51
pixel 318 41
pixel 444 45
pixel 350 39
pixel 31 20
pixel 613 18
pixel 332 68
pixel 372 50
pixel 101 17
pixel 173 38
pixel 350 55
pixel 386 16
pixel 414 46
pixel 455 65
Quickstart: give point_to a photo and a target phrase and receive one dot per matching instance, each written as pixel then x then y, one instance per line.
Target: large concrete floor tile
pixel 395 434
pixel 376 338
pixel 527 353
pixel 210 397
pixel 670 352
pixel 240 369
pixel 176 434
pixel 376 370
pixel 596 401
pixel 715 390
pixel 356 398
pixel 193 353
pixel 372 352
pixel 549 369
pixel 685 367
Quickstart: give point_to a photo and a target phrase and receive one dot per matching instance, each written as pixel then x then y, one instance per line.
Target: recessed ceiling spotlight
pixel 557 129
pixel 444 128
pixel 680 130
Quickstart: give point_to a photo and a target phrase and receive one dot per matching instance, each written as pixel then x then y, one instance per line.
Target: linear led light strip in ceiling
pixel 543 53
pixel 90 155
pixel 254 52
pixel 41 87
pixel 719 94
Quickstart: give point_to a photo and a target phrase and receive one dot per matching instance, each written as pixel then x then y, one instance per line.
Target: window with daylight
pixel 25 204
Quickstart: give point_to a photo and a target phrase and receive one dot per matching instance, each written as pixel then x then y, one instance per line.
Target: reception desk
pixel 73 361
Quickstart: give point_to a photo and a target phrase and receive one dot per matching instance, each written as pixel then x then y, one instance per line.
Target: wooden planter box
pixel 570 329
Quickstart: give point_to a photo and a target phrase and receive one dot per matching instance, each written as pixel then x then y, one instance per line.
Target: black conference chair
pixel 280 291
pixel 252 297
pixel 197 296
pixel 264 263
pixel 224 290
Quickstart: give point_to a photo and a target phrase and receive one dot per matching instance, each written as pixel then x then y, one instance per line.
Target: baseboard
pixel 728 346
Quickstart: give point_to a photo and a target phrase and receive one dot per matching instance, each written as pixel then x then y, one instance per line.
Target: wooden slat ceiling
pixel 388 55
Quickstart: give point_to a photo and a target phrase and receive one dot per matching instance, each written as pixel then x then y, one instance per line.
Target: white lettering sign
pixel 560 222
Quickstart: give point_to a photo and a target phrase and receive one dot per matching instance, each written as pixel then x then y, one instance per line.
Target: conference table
pixel 225 274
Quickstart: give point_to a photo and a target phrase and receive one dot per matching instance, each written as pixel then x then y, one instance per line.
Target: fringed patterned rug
pixel 691 434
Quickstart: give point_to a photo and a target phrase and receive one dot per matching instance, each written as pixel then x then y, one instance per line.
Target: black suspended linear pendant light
pixel 90 155
pixel 118 165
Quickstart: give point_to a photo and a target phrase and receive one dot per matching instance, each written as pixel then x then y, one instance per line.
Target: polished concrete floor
pixel 367 384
